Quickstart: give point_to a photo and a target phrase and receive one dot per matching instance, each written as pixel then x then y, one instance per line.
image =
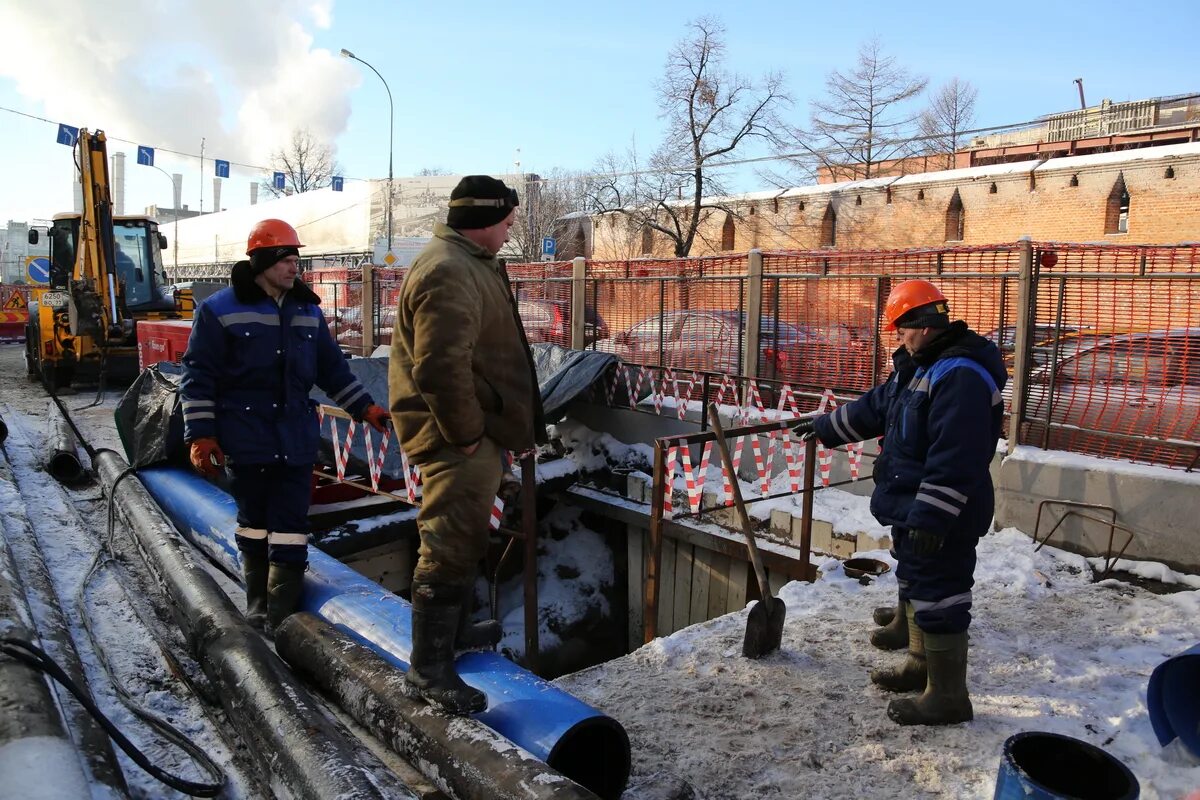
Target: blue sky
pixel 478 86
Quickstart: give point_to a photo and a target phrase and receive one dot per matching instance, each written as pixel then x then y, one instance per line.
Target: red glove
pixel 377 417
pixel 206 456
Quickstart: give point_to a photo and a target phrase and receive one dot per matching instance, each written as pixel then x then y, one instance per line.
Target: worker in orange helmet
pixel 939 414
pixel 255 351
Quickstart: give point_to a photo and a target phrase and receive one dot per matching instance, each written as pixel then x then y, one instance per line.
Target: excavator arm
pixel 96 305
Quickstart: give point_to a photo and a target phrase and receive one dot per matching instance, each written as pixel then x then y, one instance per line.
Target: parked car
pixel 1144 385
pixel 712 340
pixel 550 321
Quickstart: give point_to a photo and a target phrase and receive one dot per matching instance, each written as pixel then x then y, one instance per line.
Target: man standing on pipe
pixel 463 388
pixel 255 351
pixel 939 414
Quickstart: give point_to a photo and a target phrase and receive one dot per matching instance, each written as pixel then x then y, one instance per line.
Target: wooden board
pixel 738 572
pixel 683 586
pixel 702 566
pixel 636 572
pixel 718 586
pixel 666 593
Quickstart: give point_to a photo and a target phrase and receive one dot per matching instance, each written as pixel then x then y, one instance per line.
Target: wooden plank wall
pixel 698 584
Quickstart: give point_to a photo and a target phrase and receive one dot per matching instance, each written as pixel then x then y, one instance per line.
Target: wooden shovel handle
pixel 714 418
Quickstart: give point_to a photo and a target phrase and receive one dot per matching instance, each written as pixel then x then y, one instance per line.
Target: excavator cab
pixel 137 251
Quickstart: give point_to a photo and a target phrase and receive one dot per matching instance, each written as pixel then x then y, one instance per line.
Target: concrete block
pixel 868 542
pixel 843 545
pixel 727 516
pixel 637 487
pixel 822 535
pixel 781 522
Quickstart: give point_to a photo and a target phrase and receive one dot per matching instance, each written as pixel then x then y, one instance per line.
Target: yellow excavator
pixel 106 275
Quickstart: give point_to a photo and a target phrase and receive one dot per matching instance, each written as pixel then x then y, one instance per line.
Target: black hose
pixel 33 656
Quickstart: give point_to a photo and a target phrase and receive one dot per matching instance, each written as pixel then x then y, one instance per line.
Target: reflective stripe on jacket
pixel 249 367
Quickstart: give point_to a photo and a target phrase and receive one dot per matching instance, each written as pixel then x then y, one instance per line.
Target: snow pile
pixel 1050 651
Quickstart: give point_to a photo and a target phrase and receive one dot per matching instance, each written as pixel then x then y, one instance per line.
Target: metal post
pixel 368 308
pixel 753 311
pixel 1024 319
pixel 578 302
pixel 810 471
pixel 654 557
pixel 529 530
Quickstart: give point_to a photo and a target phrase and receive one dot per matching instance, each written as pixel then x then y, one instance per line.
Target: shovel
pixel 764 626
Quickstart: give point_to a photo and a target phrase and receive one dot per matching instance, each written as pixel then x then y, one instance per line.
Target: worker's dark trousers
pixel 938 585
pixel 272 502
pixel 456 506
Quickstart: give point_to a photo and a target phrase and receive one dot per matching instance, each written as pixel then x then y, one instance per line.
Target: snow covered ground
pixel 1051 650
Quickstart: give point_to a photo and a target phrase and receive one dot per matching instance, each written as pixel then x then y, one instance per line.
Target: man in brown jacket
pixel 463 388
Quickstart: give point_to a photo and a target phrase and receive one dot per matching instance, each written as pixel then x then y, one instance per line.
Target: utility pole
pixel 201 174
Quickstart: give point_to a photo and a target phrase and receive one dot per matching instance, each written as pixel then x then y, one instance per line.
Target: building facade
pixel 1145 196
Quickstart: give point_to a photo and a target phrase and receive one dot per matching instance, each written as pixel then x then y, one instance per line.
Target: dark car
pixel 1142 385
pixel 550 321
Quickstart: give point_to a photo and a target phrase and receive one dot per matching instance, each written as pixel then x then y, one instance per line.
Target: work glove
pixel 805 428
pixel 377 417
pixel 925 543
pixel 206 456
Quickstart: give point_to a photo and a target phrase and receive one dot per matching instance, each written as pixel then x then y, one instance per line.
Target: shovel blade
pixel 764 628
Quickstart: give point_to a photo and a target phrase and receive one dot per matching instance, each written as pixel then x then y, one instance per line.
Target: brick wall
pixel 997 208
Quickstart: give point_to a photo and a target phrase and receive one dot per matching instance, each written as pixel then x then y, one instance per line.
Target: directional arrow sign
pixel 145 155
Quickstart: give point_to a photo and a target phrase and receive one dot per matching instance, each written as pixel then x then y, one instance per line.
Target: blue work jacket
pixel 249 367
pixel 940 416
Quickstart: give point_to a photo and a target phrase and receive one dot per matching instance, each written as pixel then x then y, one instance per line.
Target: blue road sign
pixel 67 135
pixel 222 168
pixel 337 182
pixel 279 181
pixel 38 269
pixel 548 246
pixel 145 155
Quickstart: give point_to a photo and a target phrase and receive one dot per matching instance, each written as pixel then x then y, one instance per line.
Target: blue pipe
pixel 569 735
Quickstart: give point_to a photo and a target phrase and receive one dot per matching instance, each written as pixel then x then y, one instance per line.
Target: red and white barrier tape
pixel 672 454
pixel 497 514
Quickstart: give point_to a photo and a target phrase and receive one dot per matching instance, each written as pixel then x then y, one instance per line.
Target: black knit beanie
pixel 930 315
pixel 266 257
pixel 480 201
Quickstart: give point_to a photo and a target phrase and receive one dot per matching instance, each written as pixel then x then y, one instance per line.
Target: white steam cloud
pixel 243 74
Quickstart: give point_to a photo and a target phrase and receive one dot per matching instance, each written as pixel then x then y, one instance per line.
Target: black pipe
pixel 29 716
pixel 303 751
pixel 63 460
pixel 54 635
pixel 464 758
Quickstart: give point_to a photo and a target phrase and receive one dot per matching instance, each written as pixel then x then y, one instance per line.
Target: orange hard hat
pixel 906 296
pixel 272 233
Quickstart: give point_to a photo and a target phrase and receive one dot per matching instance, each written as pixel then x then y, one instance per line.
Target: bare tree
pixel 547 206
pixel 305 163
pixel 951 111
pixel 863 119
pixel 428 172
pixel 711 114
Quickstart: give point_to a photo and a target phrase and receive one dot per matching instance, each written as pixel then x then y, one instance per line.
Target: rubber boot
pixel 254 573
pixel 285 583
pixel 945 701
pixel 436 611
pixel 475 635
pixel 912 673
pixel 893 635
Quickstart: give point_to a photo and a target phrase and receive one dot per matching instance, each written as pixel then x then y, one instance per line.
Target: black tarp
pixel 150 422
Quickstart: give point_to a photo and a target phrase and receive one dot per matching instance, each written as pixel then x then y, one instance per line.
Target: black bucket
pixel 1049 766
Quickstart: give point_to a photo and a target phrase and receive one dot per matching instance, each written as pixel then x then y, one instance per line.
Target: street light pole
pixel 175 233
pixel 391 127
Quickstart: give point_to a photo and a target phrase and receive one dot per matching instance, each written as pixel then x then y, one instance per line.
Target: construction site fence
pixel 1102 342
